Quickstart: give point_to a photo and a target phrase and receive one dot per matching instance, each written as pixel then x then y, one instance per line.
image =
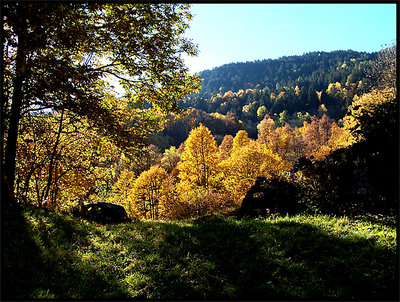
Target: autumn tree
pixel 148 192
pixel 67 56
pixel 284 141
pixel 266 131
pixel 245 164
pixel 199 173
pixel 240 140
pixel 261 112
pixel 199 160
pixel 121 189
pixel 149 156
pixel 170 159
pixel 373 116
pixel 226 147
pixel 57 165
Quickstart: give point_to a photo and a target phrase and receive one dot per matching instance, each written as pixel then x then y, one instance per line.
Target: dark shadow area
pixel 29 271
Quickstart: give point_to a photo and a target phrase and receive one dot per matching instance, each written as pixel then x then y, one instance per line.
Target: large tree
pixel 199 161
pixel 67 56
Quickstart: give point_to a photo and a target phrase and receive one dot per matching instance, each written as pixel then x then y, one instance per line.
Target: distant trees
pixel 288 83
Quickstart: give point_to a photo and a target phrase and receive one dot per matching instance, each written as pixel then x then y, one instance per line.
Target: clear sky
pixel 227 33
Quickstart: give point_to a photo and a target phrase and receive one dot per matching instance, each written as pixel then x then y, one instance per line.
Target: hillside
pixel 53 255
pixel 237 96
pixel 317 68
pixel 314 83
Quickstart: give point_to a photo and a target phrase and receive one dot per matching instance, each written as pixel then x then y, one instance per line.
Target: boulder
pixel 268 196
pixel 102 212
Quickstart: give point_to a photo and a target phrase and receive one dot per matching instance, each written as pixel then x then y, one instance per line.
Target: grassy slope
pixel 51 255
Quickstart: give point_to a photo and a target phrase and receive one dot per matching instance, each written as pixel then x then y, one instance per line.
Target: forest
pixel 183 156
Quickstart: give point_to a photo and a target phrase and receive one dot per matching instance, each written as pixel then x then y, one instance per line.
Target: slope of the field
pixel 53 255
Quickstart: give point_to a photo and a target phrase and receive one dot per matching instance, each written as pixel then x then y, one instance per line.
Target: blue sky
pixel 227 33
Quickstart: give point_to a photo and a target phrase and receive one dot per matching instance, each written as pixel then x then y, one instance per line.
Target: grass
pixel 55 256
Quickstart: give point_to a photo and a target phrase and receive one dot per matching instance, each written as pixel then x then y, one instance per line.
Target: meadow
pixel 51 255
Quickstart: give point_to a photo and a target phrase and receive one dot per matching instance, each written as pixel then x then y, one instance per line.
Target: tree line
pixel 68 140
pixel 315 83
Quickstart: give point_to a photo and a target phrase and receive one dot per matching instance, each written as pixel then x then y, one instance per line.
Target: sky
pixel 230 33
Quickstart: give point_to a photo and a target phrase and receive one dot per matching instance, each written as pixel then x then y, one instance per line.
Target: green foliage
pixel 295 84
pixel 211 258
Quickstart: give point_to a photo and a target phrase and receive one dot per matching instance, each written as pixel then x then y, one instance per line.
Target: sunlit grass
pixel 299 257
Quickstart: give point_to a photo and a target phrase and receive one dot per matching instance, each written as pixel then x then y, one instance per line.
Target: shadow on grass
pixel 35 265
pixel 259 260
pixel 202 259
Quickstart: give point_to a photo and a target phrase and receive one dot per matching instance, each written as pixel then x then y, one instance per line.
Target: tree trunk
pixel 11 145
pixel 52 159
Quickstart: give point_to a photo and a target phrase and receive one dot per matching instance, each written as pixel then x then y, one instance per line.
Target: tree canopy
pixel 68 56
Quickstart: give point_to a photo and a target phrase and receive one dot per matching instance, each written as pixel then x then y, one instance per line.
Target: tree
pixel 245 164
pixel 121 190
pixel 57 165
pixel 261 112
pixel 240 140
pixel 382 74
pixel 65 56
pixel 266 131
pixel 148 192
pixel 150 156
pixel 170 159
pixel 199 160
pixel 373 116
pixel 226 147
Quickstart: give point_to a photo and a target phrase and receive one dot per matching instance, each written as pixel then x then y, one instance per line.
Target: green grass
pixel 52 255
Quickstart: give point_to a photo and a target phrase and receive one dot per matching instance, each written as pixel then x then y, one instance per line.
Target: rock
pixel 102 212
pixel 269 196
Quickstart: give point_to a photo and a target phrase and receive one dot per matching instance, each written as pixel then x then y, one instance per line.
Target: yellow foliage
pixel 121 189
pixel 60 158
pixel 297 90
pixel 366 105
pixel 149 193
pixel 241 139
pixel 248 162
pixel 199 160
pixel 226 147
pixel 281 95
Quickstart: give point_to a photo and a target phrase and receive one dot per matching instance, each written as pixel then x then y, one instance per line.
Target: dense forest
pixel 288 89
pixel 302 147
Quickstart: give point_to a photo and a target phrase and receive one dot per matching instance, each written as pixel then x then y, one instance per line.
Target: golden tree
pixel 247 163
pixel 226 147
pixel 323 136
pixel 148 192
pixel 266 131
pixel 371 112
pixel 199 172
pixel 199 160
pixel 121 189
pixel 58 165
pixel 241 139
